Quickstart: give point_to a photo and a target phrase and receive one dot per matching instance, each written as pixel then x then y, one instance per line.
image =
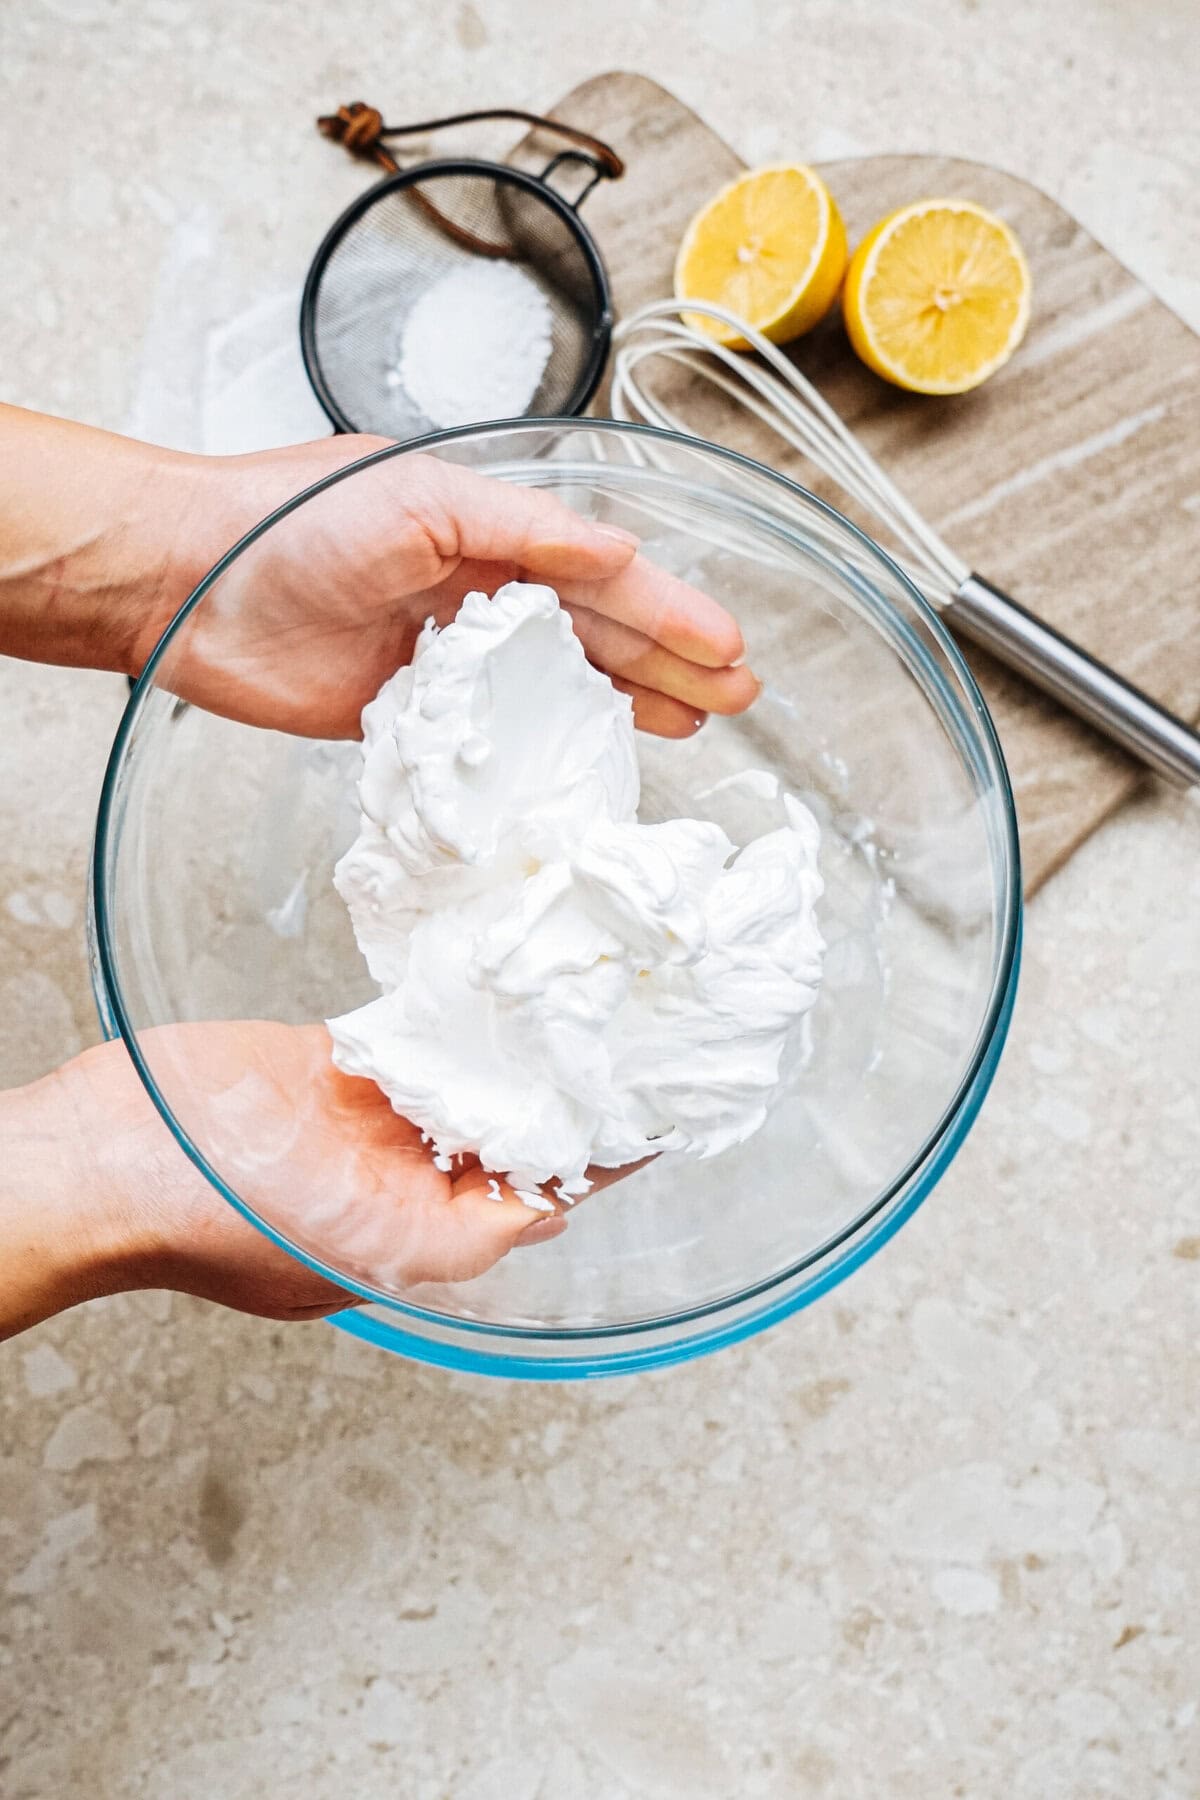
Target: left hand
pixel 306 626
pixel 319 1155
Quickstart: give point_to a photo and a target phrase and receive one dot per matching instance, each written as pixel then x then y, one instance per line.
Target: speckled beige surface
pixel 936 1537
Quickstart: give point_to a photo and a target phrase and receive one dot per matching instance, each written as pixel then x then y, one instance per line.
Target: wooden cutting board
pixel 1072 479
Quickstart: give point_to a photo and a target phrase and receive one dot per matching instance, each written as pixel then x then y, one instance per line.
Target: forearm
pixel 92 530
pixel 62 1240
pixel 96 1197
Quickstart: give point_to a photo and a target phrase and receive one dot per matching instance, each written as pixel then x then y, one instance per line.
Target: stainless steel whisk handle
pixel 996 622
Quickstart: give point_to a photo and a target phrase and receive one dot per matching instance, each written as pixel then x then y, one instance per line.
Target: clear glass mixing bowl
pixel 212 898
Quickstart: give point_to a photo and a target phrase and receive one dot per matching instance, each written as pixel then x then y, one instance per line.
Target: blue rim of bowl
pixel 887 1212
pixel 469 1361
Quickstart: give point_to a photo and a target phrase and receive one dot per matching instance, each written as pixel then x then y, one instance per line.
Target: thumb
pixel 496 1213
pixel 476 518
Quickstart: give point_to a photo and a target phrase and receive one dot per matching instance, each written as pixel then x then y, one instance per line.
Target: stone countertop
pixel 937 1535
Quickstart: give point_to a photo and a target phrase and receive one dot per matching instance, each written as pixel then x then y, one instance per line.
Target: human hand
pixel 306 626
pixel 317 1154
pixel 103 538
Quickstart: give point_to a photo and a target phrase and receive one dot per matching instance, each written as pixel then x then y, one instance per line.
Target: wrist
pixel 89 529
pixel 179 530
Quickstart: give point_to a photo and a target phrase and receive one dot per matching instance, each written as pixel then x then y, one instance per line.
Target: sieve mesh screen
pixel 411 233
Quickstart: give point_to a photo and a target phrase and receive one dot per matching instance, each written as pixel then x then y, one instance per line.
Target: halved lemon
pixel 937 296
pixel 771 247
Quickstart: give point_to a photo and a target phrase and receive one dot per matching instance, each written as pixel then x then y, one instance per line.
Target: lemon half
pixel 771 247
pixel 937 296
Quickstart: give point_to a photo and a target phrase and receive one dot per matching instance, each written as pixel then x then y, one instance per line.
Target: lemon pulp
pixel 937 296
pixel 771 247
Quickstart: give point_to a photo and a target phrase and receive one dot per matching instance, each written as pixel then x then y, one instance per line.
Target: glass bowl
pixel 212 897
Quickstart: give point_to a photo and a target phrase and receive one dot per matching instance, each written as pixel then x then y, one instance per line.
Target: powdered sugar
pixel 475 345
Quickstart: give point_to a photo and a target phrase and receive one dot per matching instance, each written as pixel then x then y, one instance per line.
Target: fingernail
pixel 541 1232
pixel 617 533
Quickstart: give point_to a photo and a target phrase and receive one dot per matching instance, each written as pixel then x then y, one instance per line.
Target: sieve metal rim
pixel 566 210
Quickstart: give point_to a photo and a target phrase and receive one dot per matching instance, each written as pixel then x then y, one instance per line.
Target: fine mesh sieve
pixel 406 240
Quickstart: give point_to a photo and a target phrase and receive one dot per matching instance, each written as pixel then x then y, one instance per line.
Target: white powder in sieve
pixel 475 345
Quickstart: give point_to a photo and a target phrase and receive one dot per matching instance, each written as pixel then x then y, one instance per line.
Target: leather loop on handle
pixel 362 130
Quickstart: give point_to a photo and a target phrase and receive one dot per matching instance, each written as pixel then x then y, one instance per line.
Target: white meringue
pixel 562 985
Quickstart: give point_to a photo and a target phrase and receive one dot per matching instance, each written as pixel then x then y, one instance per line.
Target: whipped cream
pixel 562 984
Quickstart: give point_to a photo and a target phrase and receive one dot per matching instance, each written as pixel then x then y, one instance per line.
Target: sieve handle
pixel 574 156
pixel 991 618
